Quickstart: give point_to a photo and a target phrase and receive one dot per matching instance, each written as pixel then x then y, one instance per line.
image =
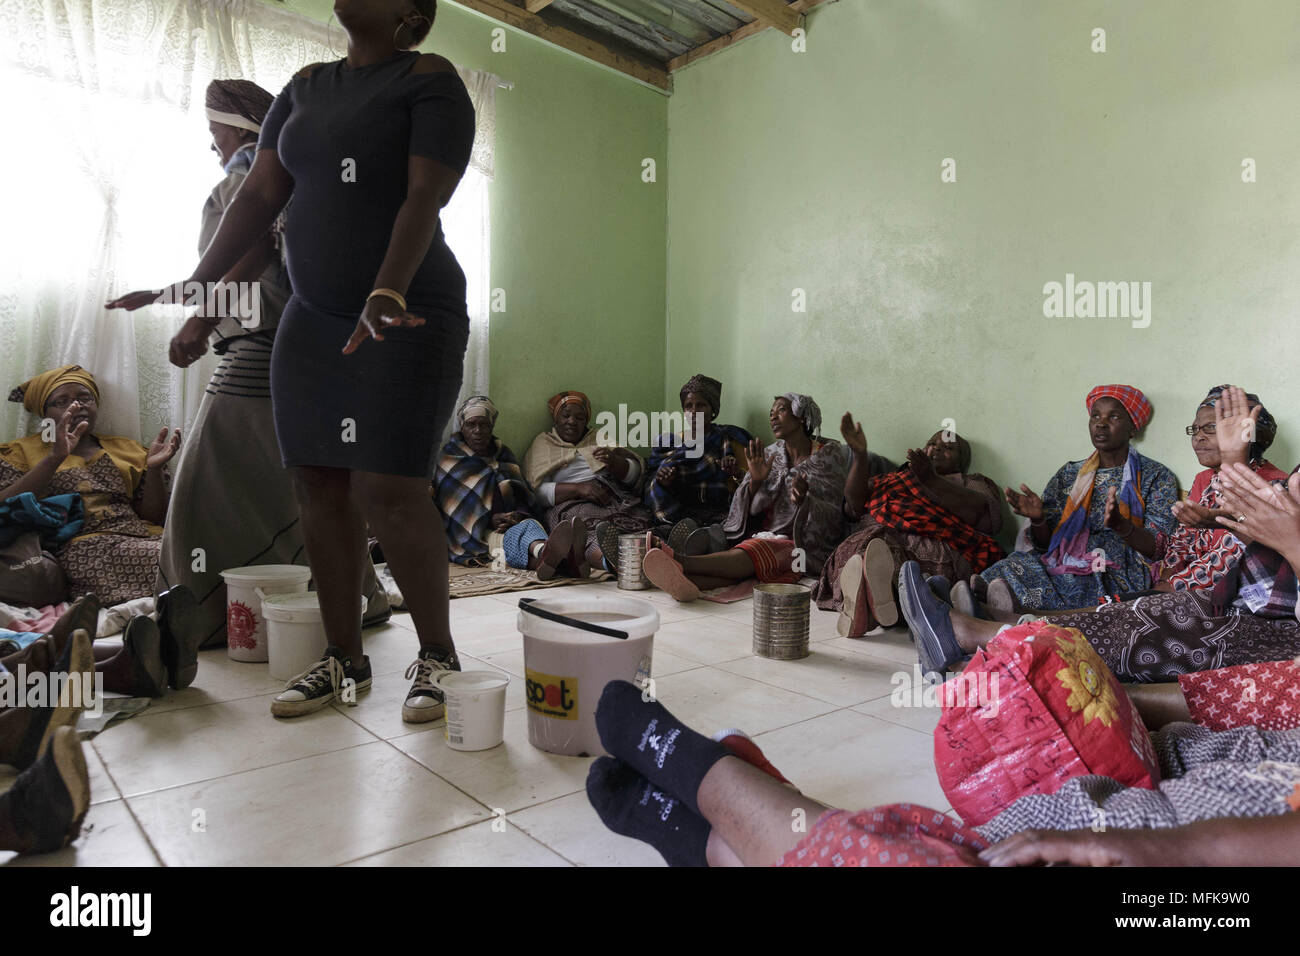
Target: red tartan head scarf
pixel 1134 402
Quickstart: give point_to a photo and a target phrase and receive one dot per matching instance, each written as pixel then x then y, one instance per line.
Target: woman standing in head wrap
pixel 370 349
pixel 692 476
pixel 1094 529
pixel 233 496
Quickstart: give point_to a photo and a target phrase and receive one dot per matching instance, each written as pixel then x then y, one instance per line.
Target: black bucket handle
pixel 528 605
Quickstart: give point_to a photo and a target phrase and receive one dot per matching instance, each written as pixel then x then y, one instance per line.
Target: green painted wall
pixel 821 171
pixel 577 237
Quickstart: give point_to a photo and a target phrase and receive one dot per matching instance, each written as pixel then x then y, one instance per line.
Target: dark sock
pixel 656 744
pixel 632 806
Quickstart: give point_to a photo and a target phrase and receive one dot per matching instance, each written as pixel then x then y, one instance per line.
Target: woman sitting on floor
pixel 1250 617
pixel 577 479
pixel 929 511
pixel 487 503
pixel 1201 551
pixel 122 485
pixel 692 479
pixel 1094 529
pixel 786 517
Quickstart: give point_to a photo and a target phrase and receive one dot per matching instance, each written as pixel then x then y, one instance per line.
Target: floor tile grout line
pixel 240 773
pixel 457 829
pixel 129 809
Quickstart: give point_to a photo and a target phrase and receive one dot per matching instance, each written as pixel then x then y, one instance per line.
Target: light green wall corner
pixel 821 171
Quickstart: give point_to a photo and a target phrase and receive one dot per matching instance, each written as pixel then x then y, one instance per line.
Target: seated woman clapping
pixel 692 477
pixel 1094 528
pixel 487 504
pixel 786 517
pixel 575 478
pixel 929 510
pixel 1249 617
pixel 1231 426
pixel 122 484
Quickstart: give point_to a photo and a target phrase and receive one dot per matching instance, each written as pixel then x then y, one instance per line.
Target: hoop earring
pixel 408 49
pixel 329 37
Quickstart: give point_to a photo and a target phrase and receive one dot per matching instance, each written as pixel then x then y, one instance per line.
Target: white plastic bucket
pixel 245 626
pixel 295 632
pixel 476 708
pixel 567 664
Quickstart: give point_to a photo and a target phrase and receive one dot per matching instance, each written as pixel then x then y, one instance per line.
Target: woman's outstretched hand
pixel 1234 424
pixel 380 313
pixel 1025 503
pixel 173 294
pixel 1264 512
pixel 1082 848
pixel 66 439
pixel 759 466
pixel 163 448
pixel 853 436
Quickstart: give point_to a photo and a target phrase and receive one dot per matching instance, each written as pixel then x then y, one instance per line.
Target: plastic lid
pixel 472 681
pixel 267 573
pixel 293 608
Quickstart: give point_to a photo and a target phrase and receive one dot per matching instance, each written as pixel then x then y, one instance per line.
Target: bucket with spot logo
pixel 573 647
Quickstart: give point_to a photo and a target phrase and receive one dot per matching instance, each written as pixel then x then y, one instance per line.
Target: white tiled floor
pixel 208 776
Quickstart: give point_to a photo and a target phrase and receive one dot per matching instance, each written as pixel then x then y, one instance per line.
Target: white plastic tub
pixel 245 625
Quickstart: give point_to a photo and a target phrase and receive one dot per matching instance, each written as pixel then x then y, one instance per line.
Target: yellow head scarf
pixel 36 391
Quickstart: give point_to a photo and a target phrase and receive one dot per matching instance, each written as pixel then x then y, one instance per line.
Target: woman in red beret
pixel 1094 530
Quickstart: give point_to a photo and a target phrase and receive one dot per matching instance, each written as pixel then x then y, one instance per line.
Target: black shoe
pixel 143 642
pixel 178 623
pixel 331 678
pixel 425 701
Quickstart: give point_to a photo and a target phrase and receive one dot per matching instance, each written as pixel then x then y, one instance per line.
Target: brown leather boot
pixel 137 670
pixel 44 808
pixel 25 731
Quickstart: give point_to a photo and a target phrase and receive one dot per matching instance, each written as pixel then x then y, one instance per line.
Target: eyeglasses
pixel 85 398
pixel 1208 428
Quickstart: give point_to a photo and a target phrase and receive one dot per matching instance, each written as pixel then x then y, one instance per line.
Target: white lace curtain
pixel 106 170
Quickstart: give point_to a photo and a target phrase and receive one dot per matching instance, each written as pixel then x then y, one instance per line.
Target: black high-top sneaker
pixel 331 678
pixel 425 702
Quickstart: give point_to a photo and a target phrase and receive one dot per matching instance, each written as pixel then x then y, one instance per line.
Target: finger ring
pixel 1241 517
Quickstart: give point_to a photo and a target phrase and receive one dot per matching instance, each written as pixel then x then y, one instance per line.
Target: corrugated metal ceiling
pixel 660 29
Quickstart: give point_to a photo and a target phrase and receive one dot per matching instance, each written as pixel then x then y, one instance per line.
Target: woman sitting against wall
pixel 487 503
pixel 692 478
pixel 1094 530
pixel 786 517
pixel 1230 427
pixel 122 485
pixel 929 510
pixel 575 478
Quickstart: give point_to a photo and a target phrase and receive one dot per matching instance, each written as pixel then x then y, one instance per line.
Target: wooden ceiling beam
pixel 536 6
pixel 726 40
pixel 773 13
pixel 538 26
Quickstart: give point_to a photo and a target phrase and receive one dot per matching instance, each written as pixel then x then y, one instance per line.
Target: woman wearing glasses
pixel 1200 551
pixel 114 553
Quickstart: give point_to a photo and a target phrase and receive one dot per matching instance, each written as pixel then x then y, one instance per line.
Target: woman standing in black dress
pixel 368 357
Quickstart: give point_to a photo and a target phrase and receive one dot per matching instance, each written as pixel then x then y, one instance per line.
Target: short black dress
pixel 345 135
